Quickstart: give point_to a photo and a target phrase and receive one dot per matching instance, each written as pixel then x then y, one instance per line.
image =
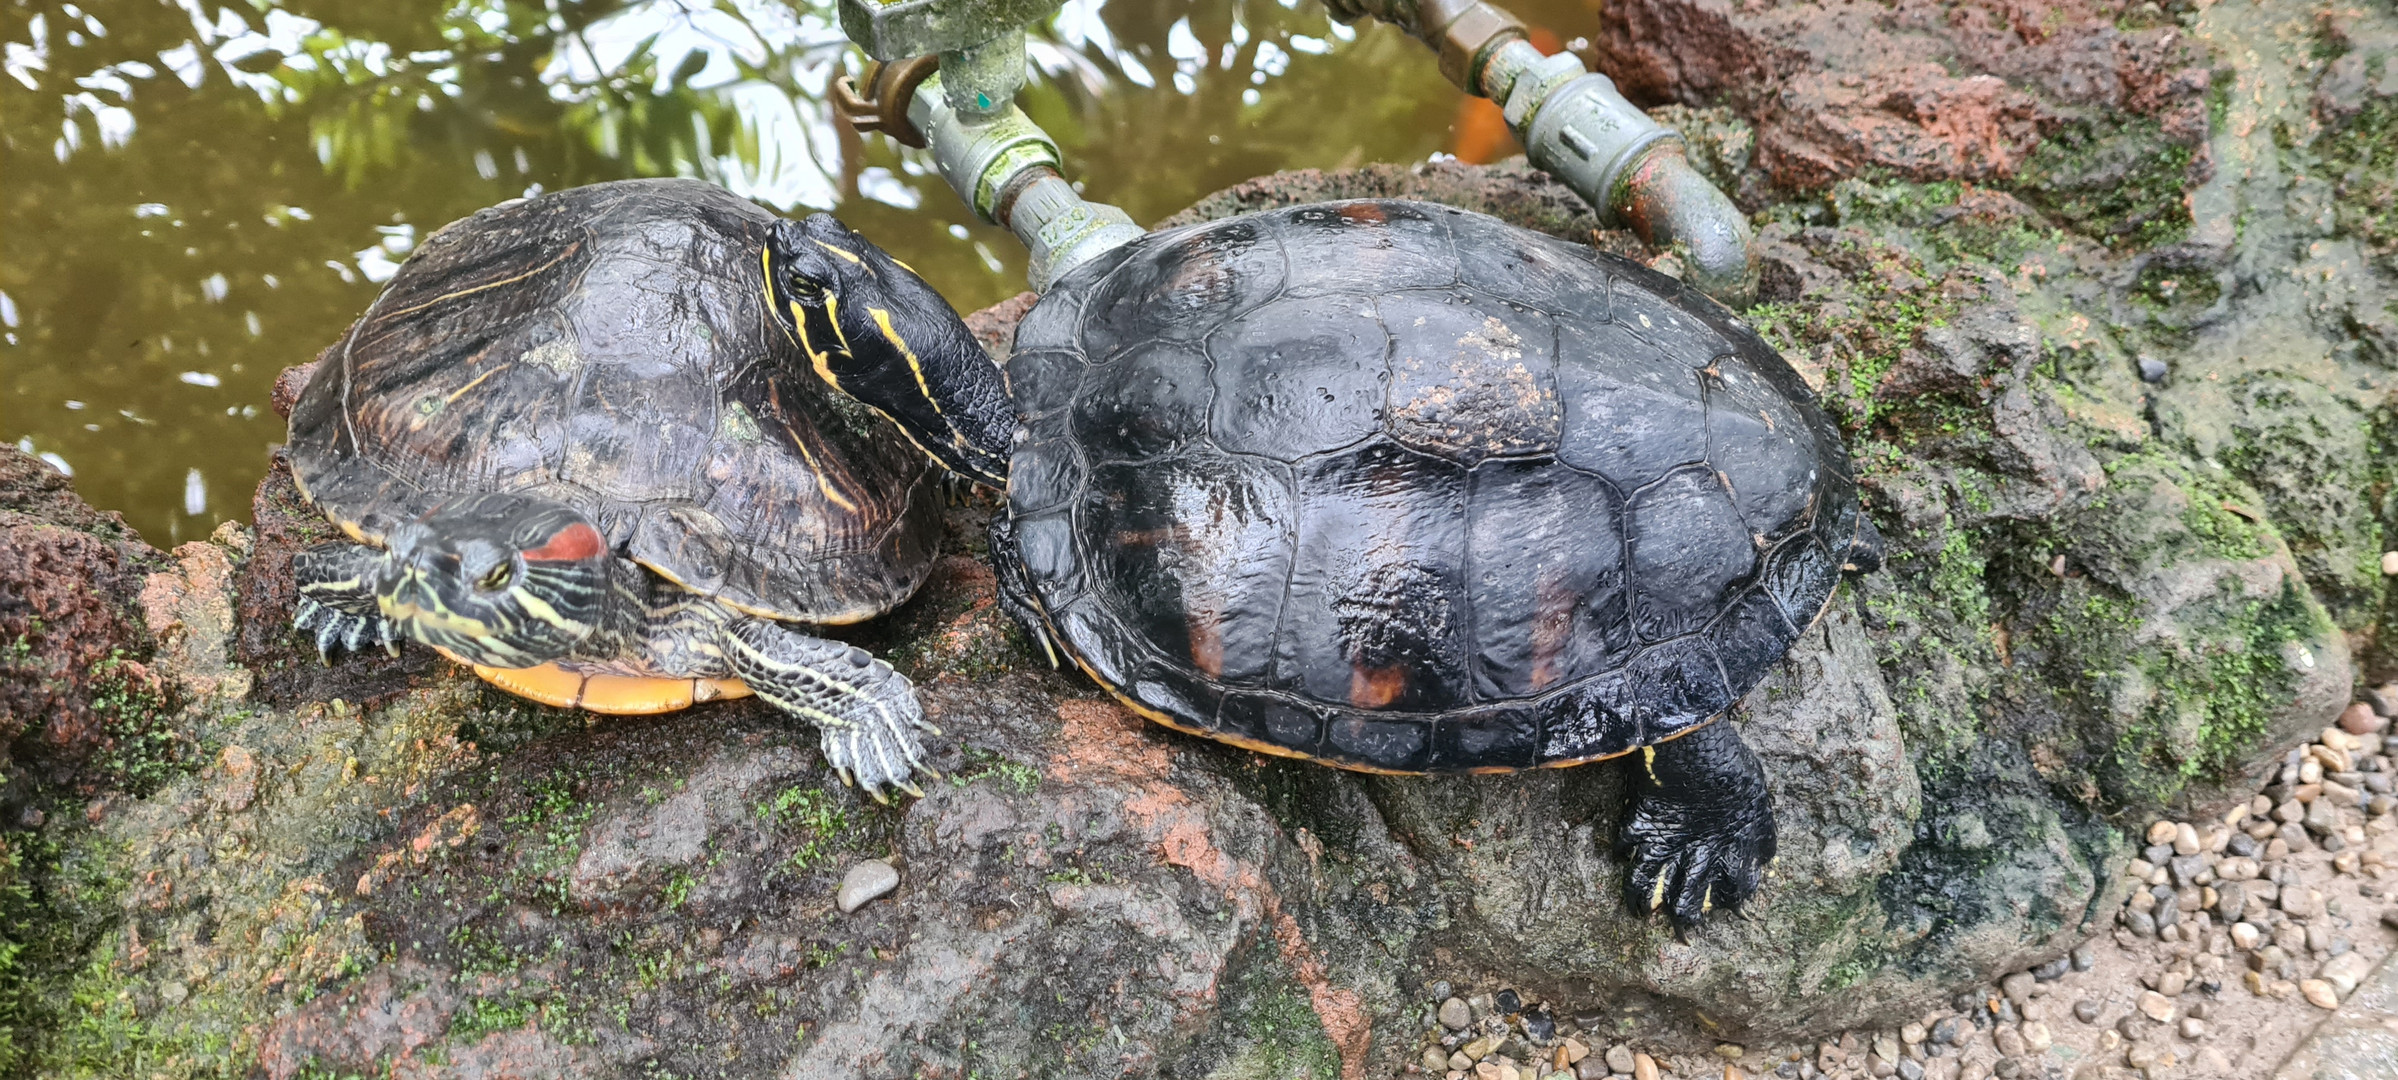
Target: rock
pixel 866 882
pixel 1461 1061
pixel 2345 971
pixel 1575 1051
pixel 2185 839
pixel 73 628
pixel 1621 1059
pixel 1644 1067
pixel 2086 1011
pixel 2161 832
pixel 2084 957
pixel 2383 698
pixel 1454 1014
pixel 2155 1006
pixel 2362 719
pixel 1435 1061
pixel 2036 1036
pixel 2319 993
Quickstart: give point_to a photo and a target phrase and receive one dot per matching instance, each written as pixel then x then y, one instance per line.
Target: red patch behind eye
pixel 573 543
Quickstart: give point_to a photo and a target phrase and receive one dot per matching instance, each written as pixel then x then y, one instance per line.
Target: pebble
pixel 1915 1033
pixel 2345 971
pixel 2086 1011
pixel 2246 936
pixel 2156 1006
pixel 2389 559
pixel 1454 1014
pixel 2361 719
pixel 2162 832
pixel 2193 1028
pixel 2319 994
pixel 865 883
pixel 1434 1060
pixel 2084 957
pixel 1644 1067
pixel 1621 1059
pixel 2036 1036
pixel 1910 1069
pixel 1460 1062
pixel 1575 1051
pixel 2052 970
pixel 1730 1051
pixel 2185 839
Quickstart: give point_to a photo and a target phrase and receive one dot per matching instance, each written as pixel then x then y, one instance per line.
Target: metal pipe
pixel 1577 127
pixel 1006 168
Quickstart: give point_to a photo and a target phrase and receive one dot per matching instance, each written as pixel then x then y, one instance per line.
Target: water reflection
pixel 201 193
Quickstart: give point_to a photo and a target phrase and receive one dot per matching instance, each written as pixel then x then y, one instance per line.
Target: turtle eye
pixel 804 290
pixel 498 578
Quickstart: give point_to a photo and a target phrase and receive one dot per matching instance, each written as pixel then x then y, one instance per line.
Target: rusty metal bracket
pixel 890 88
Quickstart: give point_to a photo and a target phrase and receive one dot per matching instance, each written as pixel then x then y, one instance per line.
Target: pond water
pixel 200 194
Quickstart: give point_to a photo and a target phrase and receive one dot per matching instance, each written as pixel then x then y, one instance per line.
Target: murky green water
pixel 199 194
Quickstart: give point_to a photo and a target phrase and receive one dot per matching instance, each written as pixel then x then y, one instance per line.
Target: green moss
pixel 2228 690
pixel 807 810
pixel 1282 1037
pixel 982 765
pixel 145 750
pixel 2118 179
pixel 2362 157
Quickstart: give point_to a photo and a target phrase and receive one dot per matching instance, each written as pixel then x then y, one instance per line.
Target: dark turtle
pixel 575 452
pixel 1393 487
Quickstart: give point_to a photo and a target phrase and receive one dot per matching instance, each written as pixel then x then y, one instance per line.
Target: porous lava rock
pixel 72 639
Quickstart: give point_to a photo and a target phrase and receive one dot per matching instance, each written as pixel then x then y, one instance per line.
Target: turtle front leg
pixel 1701 827
pixel 867 712
pixel 1015 589
pixel 337 598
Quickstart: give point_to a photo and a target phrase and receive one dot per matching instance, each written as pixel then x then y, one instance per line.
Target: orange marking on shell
pixel 1207 643
pixel 573 543
pixel 1375 688
pixel 1364 213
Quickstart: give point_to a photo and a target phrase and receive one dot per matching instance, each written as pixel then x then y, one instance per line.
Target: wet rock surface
pixel 2133 463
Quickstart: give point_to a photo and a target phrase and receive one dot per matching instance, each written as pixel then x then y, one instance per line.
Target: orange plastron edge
pixel 617 695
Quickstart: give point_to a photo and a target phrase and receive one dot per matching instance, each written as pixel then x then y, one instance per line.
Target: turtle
pixel 1391 486
pixel 570 448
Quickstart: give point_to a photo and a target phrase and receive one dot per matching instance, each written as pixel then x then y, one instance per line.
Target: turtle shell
pixel 609 347
pixel 1400 487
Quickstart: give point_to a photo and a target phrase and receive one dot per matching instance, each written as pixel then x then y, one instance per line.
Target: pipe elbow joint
pixel 1672 207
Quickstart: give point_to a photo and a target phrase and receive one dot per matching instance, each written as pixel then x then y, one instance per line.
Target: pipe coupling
pixel 980 159
pixel 1061 229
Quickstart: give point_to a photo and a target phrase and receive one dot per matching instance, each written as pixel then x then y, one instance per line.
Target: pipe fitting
pixel 981 81
pixel 1634 171
pixel 1060 228
pixel 979 157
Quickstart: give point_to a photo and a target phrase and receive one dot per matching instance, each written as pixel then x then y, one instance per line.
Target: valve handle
pixel 889 90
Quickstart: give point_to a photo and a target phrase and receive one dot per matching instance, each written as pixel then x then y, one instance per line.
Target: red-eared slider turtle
pixel 575 452
pixel 1393 487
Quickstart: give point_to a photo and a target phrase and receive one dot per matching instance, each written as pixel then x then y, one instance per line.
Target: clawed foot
pixel 1690 860
pixel 868 712
pixel 335 628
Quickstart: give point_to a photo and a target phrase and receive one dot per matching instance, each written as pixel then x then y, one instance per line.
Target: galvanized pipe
pixel 1577 127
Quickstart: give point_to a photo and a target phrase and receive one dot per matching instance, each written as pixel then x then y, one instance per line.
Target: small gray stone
pixel 1620 1059
pixel 2152 370
pixel 865 883
pixel 2231 898
pixel 2084 957
pixel 2186 868
pixel 1455 1015
pixel 1435 1062
pixel 1910 1069
pixel 2086 1011
pixel 2139 922
pixel 2241 844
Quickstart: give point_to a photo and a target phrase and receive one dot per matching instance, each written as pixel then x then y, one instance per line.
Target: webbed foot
pixel 338 629
pixel 337 599
pixel 867 712
pixel 1701 829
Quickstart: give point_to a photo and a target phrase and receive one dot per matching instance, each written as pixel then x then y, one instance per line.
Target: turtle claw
pixel 336 630
pixel 1689 869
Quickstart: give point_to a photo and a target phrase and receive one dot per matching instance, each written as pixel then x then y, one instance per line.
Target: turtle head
pixel 507 581
pixel 879 333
